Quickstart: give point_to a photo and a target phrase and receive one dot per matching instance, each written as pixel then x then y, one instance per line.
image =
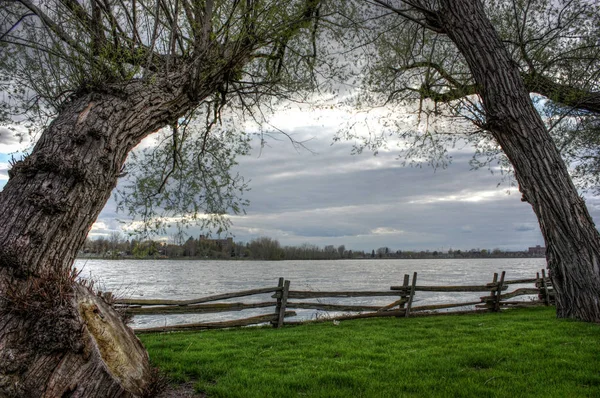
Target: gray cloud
pixel 329 197
pixel 8 137
pixel 525 227
pixel 366 202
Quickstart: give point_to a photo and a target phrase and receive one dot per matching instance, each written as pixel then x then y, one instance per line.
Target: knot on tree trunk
pixel 31 165
pixel 50 205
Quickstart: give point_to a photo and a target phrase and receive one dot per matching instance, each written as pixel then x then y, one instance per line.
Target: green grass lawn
pixel 512 354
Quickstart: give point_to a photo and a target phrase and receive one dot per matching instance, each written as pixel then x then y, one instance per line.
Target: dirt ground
pixel 185 390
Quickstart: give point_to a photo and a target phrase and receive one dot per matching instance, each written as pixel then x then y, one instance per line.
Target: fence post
pixel 412 294
pixel 489 301
pixel 284 298
pixel 538 285
pixel 403 297
pixel 545 285
pixel 278 305
pixel 499 291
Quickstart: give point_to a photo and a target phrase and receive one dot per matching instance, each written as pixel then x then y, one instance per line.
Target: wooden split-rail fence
pixel 498 297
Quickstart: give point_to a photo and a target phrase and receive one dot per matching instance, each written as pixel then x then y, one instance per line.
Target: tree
pixel 329 251
pixel 341 250
pixel 107 74
pixel 190 247
pixel 265 248
pixel 554 45
pixel 115 240
pixel 460 34
pixel 383 252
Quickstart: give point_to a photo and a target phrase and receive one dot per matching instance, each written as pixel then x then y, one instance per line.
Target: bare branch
pixel 16 24
pixel 429 20
pixel 53 26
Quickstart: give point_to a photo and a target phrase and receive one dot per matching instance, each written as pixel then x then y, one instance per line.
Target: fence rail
pixel 402 305
pixel 200 300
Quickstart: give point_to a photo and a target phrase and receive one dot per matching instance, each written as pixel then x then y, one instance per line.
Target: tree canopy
pixel 235 60
pixel 409 60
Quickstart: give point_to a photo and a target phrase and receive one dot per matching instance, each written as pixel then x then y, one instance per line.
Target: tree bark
pixel 572 241
pixel 57 339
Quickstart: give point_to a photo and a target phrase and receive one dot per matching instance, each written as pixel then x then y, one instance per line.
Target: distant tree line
pixel 265 248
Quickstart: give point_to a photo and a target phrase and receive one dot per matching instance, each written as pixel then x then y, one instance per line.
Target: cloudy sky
pixel 327 196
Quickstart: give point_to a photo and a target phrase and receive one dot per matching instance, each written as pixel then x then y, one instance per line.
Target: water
pixel 183 279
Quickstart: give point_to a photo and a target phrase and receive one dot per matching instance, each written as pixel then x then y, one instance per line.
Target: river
pixel 188 279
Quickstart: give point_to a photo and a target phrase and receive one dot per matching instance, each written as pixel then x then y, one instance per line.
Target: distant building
pixel 537 251
pixel 223 245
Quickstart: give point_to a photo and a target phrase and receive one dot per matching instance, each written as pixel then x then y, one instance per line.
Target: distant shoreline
pixel 242 259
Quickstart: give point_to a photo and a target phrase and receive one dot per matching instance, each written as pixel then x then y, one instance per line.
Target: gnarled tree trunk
pixel 57 339
pixel 572 241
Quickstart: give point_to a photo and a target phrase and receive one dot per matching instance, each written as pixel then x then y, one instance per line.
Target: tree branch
pixel 563 94
pixel 16 24
pixel 535 83
pixel 50 24
pixel 431 65
pixel 430 17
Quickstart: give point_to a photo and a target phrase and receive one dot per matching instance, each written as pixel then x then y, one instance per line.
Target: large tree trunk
pixel 58 339
pixel 572 241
